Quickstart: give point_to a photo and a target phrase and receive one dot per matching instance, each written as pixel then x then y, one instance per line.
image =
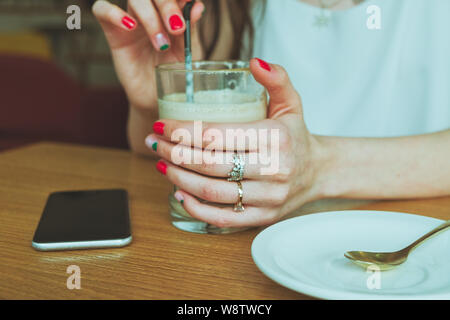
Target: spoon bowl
pixel 389 260
pixel 384 260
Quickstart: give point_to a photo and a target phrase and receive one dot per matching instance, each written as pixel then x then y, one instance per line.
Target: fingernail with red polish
pixel 264 64
pixel 128 22
pixel 179 197
pixel 175 22
pixel 158 127
pixel 162 167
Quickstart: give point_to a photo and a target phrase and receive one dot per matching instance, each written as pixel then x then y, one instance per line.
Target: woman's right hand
pixel 150 33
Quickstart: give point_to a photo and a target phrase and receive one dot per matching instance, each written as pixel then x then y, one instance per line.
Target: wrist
pixel 326 169
pixel 143 112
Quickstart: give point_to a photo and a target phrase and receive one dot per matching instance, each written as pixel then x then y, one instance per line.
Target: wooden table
pixel 161 263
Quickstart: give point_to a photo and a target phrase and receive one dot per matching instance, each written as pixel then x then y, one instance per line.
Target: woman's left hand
pixel 267 197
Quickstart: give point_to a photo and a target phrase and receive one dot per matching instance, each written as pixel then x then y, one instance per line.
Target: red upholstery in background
pixel 104 116
pixel 40 102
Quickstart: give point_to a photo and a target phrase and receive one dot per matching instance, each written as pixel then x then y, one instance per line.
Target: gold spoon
pixel 390 260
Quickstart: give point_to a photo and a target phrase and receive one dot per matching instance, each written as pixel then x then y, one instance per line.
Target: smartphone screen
pixel 84 219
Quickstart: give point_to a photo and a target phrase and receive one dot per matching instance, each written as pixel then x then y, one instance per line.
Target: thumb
pixel 284 98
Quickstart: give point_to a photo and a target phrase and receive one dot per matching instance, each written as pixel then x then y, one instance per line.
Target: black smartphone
pixel 84 219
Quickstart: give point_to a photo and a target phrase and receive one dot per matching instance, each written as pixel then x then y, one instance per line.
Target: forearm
pixel 385 168
pixel 139 127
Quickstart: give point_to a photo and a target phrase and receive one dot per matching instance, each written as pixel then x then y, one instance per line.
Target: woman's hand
pixel 267 197
pixel 150 33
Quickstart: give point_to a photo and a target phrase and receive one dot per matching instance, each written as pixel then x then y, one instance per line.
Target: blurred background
pixel 57 84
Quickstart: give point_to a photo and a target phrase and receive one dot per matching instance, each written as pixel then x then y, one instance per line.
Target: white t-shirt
pixel 356 81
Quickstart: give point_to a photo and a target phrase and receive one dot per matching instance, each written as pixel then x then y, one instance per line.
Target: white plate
pixel 306 254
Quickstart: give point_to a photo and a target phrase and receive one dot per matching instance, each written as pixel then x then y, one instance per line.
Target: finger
pixel 149 18
pixel 197 12
pixel 248 136
pixel 206 162
pixel 225 217
pixel 257 193
pixel 197 9
pixel 112 15
pixel 171 15
pixel 283 96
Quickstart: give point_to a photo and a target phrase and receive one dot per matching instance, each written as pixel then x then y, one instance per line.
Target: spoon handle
pixel 428 235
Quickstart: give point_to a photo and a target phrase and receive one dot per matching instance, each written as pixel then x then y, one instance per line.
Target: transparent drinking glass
pixel 213 91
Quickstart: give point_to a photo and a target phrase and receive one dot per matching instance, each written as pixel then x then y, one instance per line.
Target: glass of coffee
pixel 213 91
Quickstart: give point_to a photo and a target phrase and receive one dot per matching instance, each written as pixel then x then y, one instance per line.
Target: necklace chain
pixel 323 20
pixel 325 5
pixel 331 4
